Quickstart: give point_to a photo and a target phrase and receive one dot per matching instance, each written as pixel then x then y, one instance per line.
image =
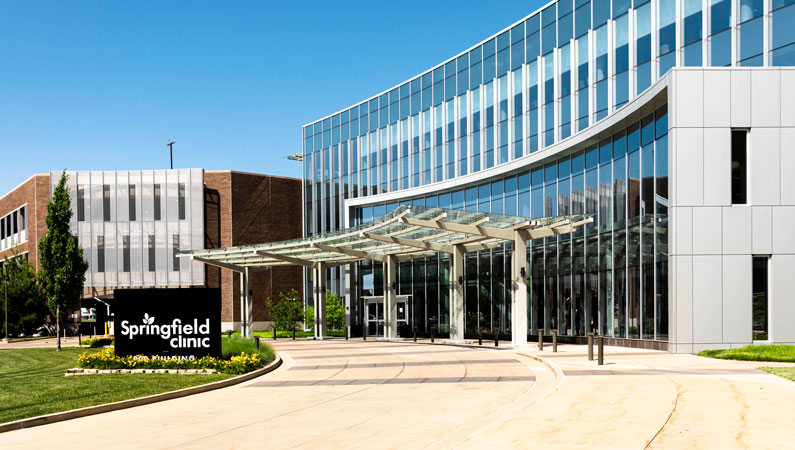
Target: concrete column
pixel 519 289
pixel 320 301
pixel 243 290
pixel 390 297
pixel 246 303
pixel 348 296
pixel 457 294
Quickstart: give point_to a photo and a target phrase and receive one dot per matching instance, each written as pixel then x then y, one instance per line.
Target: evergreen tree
pixel 62 269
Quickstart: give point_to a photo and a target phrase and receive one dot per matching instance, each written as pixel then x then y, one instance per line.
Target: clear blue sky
pixel 97 85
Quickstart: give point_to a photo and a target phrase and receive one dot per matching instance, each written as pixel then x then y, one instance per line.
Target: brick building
pixel 133 224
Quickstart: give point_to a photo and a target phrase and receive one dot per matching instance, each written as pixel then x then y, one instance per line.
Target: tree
pixel 288 312
pixel 335 312
pixel 62 270
pixel 27 307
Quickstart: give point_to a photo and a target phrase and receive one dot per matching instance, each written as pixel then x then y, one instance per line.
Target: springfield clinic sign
pixel 167 322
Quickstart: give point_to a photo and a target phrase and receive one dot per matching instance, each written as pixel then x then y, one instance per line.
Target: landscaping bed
pixel 783 372
pixel 32 381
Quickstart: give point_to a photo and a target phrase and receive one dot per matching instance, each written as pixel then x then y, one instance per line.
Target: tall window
pixel 157 202
pixel 132 202
pixel 100 254
pixel 125 253
pixel 151 243
pixel 181 199
pixel 81 203
pixel 759 286
pixel 175 251
pixel 739 167
pixel 106 202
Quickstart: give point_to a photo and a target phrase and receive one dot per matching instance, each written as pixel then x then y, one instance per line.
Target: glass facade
pixel 540 81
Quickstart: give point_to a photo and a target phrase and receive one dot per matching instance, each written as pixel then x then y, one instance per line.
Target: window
pixel 181 201
pixel 22 221
pixel 106 202
pixel 151 238
pixel 100 254
pixel 157 202
pixel 175 251
pixel 739 167
pixel 81 203
pixel 14 223
pixel 759 295
pixel 132 202
pixel 125 253
pixel 783 36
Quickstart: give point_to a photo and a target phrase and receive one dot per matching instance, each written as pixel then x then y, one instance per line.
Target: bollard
pixel 95 331
pixel 432 335
pixel 293 333
pixel 601 350
pixel 590 346
pixel 497 339
pixel 79 338
pixel 229 333
pixel 480 337
pixel 347 332
pixel 541 339
pixel 364 332
pixel 256 341
pixel 415 335
pixel 554 341
pixel 274 332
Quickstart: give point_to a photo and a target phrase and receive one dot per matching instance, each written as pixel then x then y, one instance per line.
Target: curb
pixel 124 404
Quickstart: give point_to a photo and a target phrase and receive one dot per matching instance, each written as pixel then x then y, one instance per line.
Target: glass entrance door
pixel 375 316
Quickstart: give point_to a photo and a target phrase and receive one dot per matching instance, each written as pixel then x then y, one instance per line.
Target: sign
pixel 167 322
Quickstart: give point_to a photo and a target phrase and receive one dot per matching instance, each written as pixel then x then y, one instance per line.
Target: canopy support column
pixel 320 301
pixel 519 288
pixel 390 297
pixel 349 271
pixel 246 303
pixel 457 294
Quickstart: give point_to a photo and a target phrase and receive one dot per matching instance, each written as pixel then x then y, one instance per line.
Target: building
pixel 132 225
pixel 669 122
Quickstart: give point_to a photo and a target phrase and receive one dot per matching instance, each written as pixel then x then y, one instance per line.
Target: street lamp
pixel 171 151
pixel 5 288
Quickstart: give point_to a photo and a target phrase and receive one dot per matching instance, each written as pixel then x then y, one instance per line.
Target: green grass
pixel 280 334
pixel 775 353
pixel 236 345
pixel 783 372
pixel 32 383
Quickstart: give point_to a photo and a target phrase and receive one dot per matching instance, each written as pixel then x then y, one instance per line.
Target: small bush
pixel 98 341
pixel 237 345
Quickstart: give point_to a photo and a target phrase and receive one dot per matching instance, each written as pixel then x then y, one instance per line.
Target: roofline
pixel 253 173
pixel 492 36
pixel 23 183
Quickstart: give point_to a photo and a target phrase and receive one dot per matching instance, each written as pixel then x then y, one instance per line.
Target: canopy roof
pixel 407 232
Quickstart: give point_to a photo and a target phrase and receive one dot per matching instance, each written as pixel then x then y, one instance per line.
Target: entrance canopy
pixel 405 233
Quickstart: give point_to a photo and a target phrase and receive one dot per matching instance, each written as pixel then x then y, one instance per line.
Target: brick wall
pixel 243 208
pixel 35 191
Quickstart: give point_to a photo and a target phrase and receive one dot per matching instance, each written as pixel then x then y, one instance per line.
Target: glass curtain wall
pixel 610 276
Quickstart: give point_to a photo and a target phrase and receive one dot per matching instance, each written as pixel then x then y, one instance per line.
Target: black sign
pixel 167 322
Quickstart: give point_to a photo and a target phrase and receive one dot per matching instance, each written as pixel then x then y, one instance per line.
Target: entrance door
pixel 374 307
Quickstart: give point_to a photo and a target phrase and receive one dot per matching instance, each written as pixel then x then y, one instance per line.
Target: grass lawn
pixel 776 353
pixel 783 372
pixel 281 334
pixel 32 383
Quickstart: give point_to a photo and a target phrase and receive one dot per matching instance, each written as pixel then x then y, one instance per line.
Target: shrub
pixel 98 341
pixel 309 317
pixel 335 312
pixel 238 345
pixel 287 312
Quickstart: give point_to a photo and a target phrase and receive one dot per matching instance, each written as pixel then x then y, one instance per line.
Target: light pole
pixel 171 152
pixel 5 302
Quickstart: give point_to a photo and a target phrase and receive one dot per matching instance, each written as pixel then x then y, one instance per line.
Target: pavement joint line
pixel 133 402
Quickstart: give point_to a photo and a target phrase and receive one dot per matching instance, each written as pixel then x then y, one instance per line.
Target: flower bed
pixel 107 359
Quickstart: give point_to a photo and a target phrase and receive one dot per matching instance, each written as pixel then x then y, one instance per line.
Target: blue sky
pixel 96 85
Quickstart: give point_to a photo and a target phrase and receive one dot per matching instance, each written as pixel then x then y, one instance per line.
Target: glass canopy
pixel 407 232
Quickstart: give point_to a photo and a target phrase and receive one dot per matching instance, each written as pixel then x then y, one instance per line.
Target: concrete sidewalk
pixel 69 341
pixel 354 394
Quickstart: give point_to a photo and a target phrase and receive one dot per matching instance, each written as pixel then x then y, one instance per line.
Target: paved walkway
pixel 354 394
pixel 70 341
